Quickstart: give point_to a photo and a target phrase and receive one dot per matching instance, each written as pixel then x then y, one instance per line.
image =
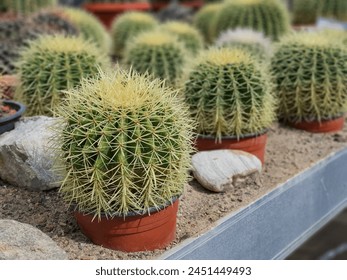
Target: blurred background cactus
pixel 229 94
pixel 305 12
pixel 52 64
pixel 125 145
pixel 127 26
pixel 268 16
pixel 247 39
pixel 336 9
pixel 26 6
pixel 310 71
pixel 186 34
pixel 203 18
pixel 157 53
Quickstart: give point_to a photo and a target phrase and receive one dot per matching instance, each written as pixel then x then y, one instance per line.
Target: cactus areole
pixel 125 149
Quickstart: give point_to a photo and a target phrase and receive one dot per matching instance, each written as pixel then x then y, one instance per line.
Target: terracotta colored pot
pixel 132 233
pixel 106 12
pixel 193 4
pixel 251 144
pixel 320 127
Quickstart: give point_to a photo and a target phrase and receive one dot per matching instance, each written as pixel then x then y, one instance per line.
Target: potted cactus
pixel 305 13
pixel 252 41
pixel 52 64
pixel 158 53
pixel 127 26
pixel 186 34
pixel 107 10
pixel 21 7
pixel 336 9
pixel 229 95
pixel 268 16
pixel 310 74
pixel 125 146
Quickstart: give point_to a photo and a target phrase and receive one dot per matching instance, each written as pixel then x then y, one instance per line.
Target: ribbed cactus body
pixel 125 144
pixel 310 72
pixel 252 41
pixel 229 94
pixel 305 12
pixel 27 6
pixel 90 27
pixel 334 8
pixel 267 16
pixel 127 26
pixel 51 65
pixel 157 53
pixel 188 35
pixel 203 20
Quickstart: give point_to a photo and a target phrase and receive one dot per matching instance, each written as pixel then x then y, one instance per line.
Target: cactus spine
pixel 267 16
pixel 158 53
pixel 127 26
pixel 125 145
pixel 229 94
pixel 311 77
pixel 52 64
pixel 186 34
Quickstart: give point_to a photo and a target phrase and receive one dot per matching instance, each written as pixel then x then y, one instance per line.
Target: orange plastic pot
pixel 320 127
pixel 106 12
pixel 132 233
pixel 252 144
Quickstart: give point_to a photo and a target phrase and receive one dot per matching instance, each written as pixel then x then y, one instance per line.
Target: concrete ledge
pixel 276 224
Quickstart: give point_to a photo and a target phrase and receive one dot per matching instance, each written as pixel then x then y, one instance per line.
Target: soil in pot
pixel 324 126
pixel 132 233
pixel 251 144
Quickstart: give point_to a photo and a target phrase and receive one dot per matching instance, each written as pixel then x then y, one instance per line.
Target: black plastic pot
pixel 7 123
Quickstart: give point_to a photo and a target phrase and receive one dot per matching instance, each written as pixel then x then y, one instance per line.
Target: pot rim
pixel 149 211
pixel 15 116
pixel 315 120
pixel 234 137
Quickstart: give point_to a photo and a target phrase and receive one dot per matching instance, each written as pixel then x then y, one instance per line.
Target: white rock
pixel 26 159
pixel 20 241
pixel 215 170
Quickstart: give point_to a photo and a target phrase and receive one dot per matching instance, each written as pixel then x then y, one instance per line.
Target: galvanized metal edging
pixel 280 221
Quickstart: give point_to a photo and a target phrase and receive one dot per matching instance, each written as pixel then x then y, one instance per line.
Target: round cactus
pixel 305 12
pixel 90 27
pixel 52 64
pixel 157 53
pixel 186 34
pixel 127 26
pixel 203 18
pixel 27 6
pixel 125 145
pixel 311 77
pixel 254 42
pixel 229 94
pixel 334 8
pixel 267 16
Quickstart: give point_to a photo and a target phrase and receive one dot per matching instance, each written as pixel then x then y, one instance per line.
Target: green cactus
pixel 247 39
pixel 267 16
pixel 229 94
pixel 52 64
pixel 90 27
pixel 125 145
pixel 158 53
pixel 334 9
pixel 26 6
pixel 127 26
pixel 203 18
pixel 188 35
pixel 310 72
pixel 305 12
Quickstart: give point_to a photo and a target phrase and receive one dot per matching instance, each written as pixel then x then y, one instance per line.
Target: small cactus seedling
pixel 158 53
pixel 267 16
pixel 334 9
pixel 310 73
pixel 90 27
pixel 305 12
pixel 186 34
pixel 254 42
pixel 125 144
pixel 127 26
pixel 229 94
pixel 52 64
pixel 27 6
pixel 203 20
